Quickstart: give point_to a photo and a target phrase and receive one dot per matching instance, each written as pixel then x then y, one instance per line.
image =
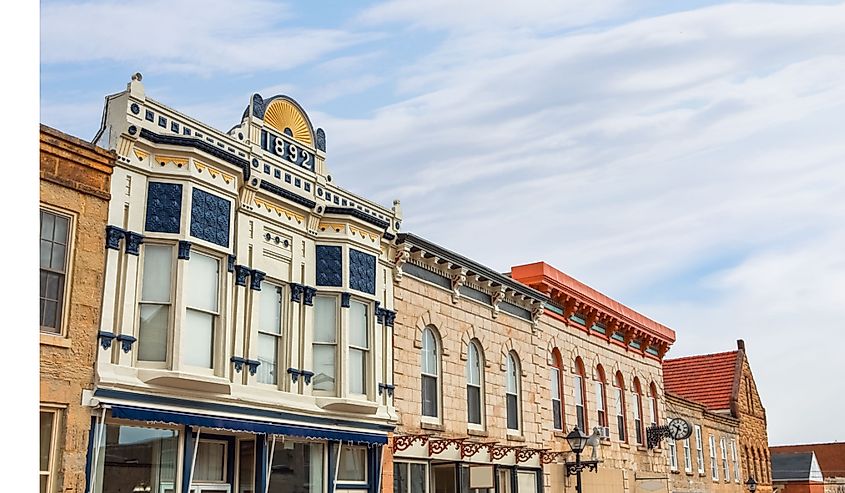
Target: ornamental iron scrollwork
pixel 548 457
pixel 497 452
pixel 655 434
pixel 573 468
pixel 468 449
pixel 441 444
pixel 524 455
pixel 404 441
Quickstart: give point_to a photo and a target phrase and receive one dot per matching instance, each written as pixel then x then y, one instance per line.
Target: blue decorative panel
pixel 329 266
pixel 362 271
pixel 164 207
pixel 210 217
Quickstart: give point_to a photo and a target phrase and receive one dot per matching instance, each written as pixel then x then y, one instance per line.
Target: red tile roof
pixel 831 456
pixel 707 379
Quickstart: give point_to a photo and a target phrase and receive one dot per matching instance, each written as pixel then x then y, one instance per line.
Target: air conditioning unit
pixel 604 432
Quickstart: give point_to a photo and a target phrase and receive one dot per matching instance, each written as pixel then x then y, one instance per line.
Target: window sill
pixel 56 340
pixel 641 448
pixel 624 445
pixel 560 434
pixel 477 432
pixel 688 473
pixel 347 405
pixel 425 425
pixel 182 380
pixel 515 437
pixel 675 471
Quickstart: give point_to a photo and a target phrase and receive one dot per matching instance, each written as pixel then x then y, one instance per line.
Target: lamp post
pixel 577 441
pixel 752 485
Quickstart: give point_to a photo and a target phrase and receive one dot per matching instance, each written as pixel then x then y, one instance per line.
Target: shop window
pixel 269 333
pixel 699 449
pixel 359 348
pixel 410 477
pixel 580 395
pixel 557 390
pixel 210 463
pixel 430 366
pixel 475 393
pixel 296 466
pixel 353 464
pixel 619 389
pixel 513 391
pixel 246 466
pixel 55 241
pixel 155 304
pixel 47 449
pixel 526 481
pixel 135 458
pixel 325 344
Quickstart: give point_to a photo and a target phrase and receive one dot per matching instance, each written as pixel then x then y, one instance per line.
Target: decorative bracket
pixel 458 279
pixel 525 454
pixel 296 292
pixel 133 242
pixel 496 298
pixel 256 276
pixel 655 434
pixel 113 237
pixel 294 374
pixel 403 253
pixel 239 363
pixel 106 338
pixel 230 263
pixel 402 442
pixel 547 457
pixel 468 449
pixel 126 342
pixel 306 376
pixel 184 252
pixel 241 273
pixel 389 317
pixel 536 313
pixel 386 387
pixel 441 444
pixel 308 294
pixel 576 467
pixel 499 451
pixel 253 366
pixel 344 299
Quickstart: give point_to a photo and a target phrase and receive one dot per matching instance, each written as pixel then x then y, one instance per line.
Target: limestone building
pixel 74 194
pixel 492 371
pixel 724 384
pixel 245 342
pixel 707 461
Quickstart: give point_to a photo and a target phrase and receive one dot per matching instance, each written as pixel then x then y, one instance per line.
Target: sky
pixel 684 158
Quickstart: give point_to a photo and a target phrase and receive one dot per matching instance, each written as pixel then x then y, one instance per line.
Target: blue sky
pixel 682 157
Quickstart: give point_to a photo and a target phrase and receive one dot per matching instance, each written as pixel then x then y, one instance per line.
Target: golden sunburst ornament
pixel 281 114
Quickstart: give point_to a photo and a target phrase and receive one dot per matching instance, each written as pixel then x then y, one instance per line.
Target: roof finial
pixel 740 344
pixel 137 76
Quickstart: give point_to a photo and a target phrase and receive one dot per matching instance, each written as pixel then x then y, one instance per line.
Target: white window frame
pixel 687 456
pixel 557 395
pixel 474 345
pixel 514 369
pixel 51 454
pixel 367 351
pixel 438 366
pixel 620 409
pixel 580 399
pixel 737 474
pixel 638 419
pixel 726 468
pixel 601 409
pixel 366 465
pixel 64 308
pixel 407 465
pixel 280 337
pixel 171 304
pixel 673 455
pixel 338 364
pixel 714 466
pixel 699 449
pixel 217 327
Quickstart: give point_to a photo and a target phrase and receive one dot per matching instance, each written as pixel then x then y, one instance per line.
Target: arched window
pixel 619 388
pixel 557 389
pixel 513 391
pixel 638 411
pixel 601 396
pixel 475 383
pixel 652 404
pixel 430 370
pixel 580 395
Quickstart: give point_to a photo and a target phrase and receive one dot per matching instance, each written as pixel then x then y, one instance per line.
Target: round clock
pixel 679 429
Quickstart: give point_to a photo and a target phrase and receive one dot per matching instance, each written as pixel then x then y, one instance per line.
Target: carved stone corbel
pixel 459 277
pixel 403 253
pixel 496 298
pixel 536 313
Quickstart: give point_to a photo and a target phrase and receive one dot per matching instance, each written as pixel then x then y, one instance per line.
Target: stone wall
pixel 75 179
pixel 754 440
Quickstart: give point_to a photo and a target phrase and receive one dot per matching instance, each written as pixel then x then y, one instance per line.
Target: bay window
pixel 269 333
pixel 201 310
pixel 474 386
pixel 358 347
pixel 155 303
pixel 324 346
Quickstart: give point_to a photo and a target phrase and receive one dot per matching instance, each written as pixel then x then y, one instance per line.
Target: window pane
pixel 417 478
pixel 358 324
pixel 203 285
pixel 558 417
pixel 137 456
pixel 429 353
pixel 555 383
pixel 400 477
pixel 324 367
pixel 271 309
pixel 46 439
pixel 474 404
pixel 513 418
pixel 50 315
pixel 210 461
pixel 46 253
pixel 511 375
pixel 57 260
pixel 267 354
pixel 325 329
pixel 156 279
pixel 152 333
pixel 357 371
pixel 296 467
pixel 353 464
pixel 48 222
pixel 599 396
pixel 429 396
pixel 246 467
pixel 579 396
pixel 198 343
pixel 43 481
pixel 60 233
pixel 473 365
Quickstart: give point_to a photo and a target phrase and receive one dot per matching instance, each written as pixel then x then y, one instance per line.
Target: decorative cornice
pixel 200 145
pixel 349 211
pixel 201 167
pixel 281 192
pixel 279 210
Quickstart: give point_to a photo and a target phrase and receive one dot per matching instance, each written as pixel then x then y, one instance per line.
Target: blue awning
pixel 244 425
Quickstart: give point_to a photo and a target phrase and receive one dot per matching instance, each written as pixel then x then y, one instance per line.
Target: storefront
pixel 169 447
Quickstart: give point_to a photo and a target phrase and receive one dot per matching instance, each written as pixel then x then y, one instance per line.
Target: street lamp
pixel 752 485
pixel 577 441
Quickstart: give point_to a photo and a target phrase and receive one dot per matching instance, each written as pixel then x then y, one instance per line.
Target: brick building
pixel 707 461
pixel 797 472
pixel 831 462
pixel 74 194
pixel 723 383
pixel 491 372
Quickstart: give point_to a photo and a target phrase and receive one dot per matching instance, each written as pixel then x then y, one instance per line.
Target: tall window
pixel 54 251
pixel 714 467
pixel 699 449
pixel 726 470
pixel 557 390
pixel 513 391
pixel 601 397
pixel 673 455
pixel 580 395
pixel 324 346
pixel 201 302
pixel 269 333
pixel 687 456
pixel 47 448
pixel 474 375
pixel 619 389
pixel 359 347
pixel 430 374
pixel 155 304
pixel 638 411
pixel 652 403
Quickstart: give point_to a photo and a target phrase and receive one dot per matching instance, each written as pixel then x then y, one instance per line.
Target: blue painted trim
pixel 367 218
pixel 281 192
pixel 261 454
pixel 389 317
pixel 296 292
pixel 89 457
pixel 113 237
pixel 294 374
pixel 184 252
pixel 227 408
pixel 198 144
pixel 230 263
pixel 239 363
pixel 133 242
pixel 187 457
pixel 256 276
pixel 306 376
pixel 253 365
pixel 379 314
pixel 308 294
pixel 126 342
pixel 241 273
pixel 344 299
pixel 386 387
pixel 250 426
pixel 105 338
